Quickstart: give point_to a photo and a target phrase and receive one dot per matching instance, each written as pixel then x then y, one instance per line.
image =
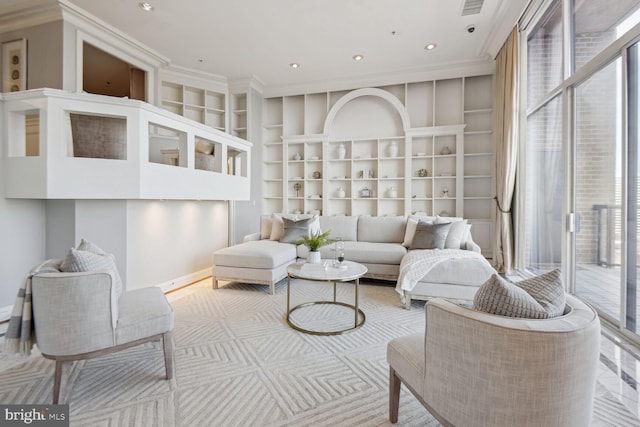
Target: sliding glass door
pixel 598 190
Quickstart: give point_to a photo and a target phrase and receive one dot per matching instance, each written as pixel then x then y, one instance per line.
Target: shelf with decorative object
pixel 418 138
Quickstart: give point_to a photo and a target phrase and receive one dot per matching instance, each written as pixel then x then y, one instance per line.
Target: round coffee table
pixel 352 273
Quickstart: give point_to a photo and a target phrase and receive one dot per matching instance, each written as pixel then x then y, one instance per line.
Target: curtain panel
pixel 505 148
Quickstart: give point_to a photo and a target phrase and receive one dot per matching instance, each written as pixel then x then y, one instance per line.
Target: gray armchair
pixel 78 316
pixel 476 369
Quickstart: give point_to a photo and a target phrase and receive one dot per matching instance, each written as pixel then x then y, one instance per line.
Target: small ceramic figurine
pixel 297 156
pixel 446 150
pixel 422 173
pixel 341 193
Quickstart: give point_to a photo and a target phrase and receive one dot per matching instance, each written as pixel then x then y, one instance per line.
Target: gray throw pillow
pixel 430 236
pixel 82 261
pixel 295 229
pixel 548 290
pixel 541 297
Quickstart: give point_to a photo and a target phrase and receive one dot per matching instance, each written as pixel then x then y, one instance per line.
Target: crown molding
pixel 94 26
pixel 406 75
pixel 27 14
pixel 245 83
pixel 504 23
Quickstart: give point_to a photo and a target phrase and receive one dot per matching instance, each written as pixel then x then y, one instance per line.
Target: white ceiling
pixel 244 38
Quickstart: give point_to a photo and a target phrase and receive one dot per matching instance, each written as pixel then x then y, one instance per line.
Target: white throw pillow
pixel 265 226
pixel 466 236
pixel 456 232
pixel 82 261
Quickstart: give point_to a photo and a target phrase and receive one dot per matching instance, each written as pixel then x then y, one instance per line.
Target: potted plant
pixel 314 241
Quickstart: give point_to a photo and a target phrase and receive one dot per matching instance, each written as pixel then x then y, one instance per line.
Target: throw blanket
pixel 418 263
pixel 20 337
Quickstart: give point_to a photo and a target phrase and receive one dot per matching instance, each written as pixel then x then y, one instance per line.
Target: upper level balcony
pixel 61 145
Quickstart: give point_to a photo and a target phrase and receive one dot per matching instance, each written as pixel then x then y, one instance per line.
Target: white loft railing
pixel 61 145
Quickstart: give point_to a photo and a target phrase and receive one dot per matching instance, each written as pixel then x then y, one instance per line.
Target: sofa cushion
pixel 255 254
pixel 343 227
pixel 381 229
pixel 541 297
pixel 430 236
pixel 456 232
pixel 364 252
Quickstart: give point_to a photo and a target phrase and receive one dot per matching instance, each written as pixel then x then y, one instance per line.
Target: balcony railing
pixel 61 145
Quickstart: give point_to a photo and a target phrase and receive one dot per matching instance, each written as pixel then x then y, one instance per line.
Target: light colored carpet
pixel 239 364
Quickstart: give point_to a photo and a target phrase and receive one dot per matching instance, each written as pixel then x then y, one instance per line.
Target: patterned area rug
pixel 238 364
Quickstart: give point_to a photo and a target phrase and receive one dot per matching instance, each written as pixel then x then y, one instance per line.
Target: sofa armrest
pixel 251 237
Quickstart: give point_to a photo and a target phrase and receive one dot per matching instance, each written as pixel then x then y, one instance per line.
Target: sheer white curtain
pixel 505 148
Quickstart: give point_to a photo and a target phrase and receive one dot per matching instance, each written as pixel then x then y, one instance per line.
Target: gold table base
pixel 359 314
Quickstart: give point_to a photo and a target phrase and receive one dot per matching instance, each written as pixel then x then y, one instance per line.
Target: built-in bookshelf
pixel 392 150
pixel 199 104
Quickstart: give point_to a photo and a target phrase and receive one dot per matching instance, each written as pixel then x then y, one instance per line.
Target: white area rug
pixel 239 364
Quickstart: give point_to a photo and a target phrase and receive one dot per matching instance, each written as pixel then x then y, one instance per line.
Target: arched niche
pixel 366 113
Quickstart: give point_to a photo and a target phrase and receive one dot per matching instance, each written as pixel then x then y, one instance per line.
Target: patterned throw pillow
pixel 541 297
pixel 548 290
pixel 96 259
pixel 430 236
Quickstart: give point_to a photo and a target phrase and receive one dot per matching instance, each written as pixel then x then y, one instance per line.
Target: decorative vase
pixel 297 156
pixel 393 149
pixel 392 192
pixel 342 151
pixel 314 257
pixel 341 193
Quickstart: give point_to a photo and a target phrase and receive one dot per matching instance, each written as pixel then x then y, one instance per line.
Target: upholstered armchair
pixel 80 316
pixel 471 368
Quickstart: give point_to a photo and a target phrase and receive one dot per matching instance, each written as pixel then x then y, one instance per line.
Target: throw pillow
pixel 430 236
pixel 265 226
pixel 277 225
pixel 81 261
pixel 412 222
pixel 88 246
pixel 295 229
pixel 548 290
pixel 497 296
pixel 456 232
pixel 466 236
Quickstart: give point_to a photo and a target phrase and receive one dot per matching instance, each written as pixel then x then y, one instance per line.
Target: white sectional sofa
pixel 380 243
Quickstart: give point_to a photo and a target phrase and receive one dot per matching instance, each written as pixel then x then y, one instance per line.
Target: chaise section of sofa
pixel 254 261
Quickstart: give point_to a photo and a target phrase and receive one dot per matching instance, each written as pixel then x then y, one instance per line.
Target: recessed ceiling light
pixel 145 6
pixel 294 65
pixel 430 46
pixel 201 61
pixel 358 57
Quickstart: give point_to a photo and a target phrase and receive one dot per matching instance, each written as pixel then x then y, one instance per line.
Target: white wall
pixel 22 244
pixel 171 239
pixel 60 227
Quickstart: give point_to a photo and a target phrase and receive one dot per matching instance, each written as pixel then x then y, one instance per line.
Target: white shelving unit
pixel 448 133
pixel 199 104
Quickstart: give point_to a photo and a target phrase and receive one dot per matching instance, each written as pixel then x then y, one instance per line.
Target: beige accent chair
pixel 78 316
pixel 476 369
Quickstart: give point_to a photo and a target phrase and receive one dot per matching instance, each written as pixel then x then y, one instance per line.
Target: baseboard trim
pixel 179 282
pixel 5 313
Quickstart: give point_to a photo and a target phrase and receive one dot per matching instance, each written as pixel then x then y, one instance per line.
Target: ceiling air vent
pixel 471 7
